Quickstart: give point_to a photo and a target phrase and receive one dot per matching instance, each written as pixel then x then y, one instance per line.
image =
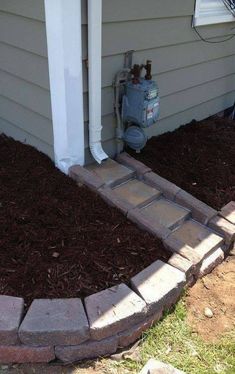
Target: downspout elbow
pixel 97 152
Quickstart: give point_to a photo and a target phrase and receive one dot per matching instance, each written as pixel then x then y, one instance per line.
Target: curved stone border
pixel 70 330
pixel 73 329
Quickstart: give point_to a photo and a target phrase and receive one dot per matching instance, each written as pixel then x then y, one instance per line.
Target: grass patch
pixel 173 341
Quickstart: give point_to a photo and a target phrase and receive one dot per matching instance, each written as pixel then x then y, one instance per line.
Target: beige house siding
pixel 196 79
pixel 25 109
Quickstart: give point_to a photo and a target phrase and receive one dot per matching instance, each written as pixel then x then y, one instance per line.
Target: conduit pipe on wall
pixel 94 63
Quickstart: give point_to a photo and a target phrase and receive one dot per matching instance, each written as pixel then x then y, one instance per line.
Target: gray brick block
pixel 131 335
pixel 224 228
pixel 125 159
pixel 112 199
pixel 145 223
pixel 55 322
pixel 174 245
pixel 199 237
pixel 24 354
pixel 210 262
pixel 160 285
pixel 111 172
pixel 11 310
pixel 82 175
pixel 166 213
pixel 200 211
pixel 88 350
pixel 169 189
pixel 113 310
pixel 181 263
pixel 136 193
pixel 228 212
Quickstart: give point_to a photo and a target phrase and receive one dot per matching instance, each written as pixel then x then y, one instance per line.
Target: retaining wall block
pixel 113 310
pixel 84 176
pixel 55 322
pixel 145 223
pixel 112 199
pixel 175 245
pixel 131 335
pixel 88 350
pixel 160 285
pixel 223 227
pixel 228 212
pixel 181 263
pixel 200 211
pixel 11 310
pixel 169 189
pixel 111 172
pixel 140 168
pixel 210 262
pixel 21 354
pixel 200 238
pixel 92 349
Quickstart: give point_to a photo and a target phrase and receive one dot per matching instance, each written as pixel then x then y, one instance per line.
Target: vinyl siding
pixel 25 108
pixel 196 79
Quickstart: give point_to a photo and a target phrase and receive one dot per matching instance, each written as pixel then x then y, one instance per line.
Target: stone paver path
pixel 159 206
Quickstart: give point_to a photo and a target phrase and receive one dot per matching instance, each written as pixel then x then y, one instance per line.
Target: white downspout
pixel 94 63
pixel 64 40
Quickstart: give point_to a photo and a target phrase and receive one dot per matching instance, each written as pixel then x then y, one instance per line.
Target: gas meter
pixel 140 103
pixel 137 105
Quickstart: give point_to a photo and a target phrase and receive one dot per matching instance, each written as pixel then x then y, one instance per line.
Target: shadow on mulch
pixel 198 157
pixel 60 240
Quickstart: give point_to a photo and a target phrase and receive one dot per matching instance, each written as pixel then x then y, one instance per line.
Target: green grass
pixel 172 341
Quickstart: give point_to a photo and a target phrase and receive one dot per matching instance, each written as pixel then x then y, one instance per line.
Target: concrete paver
pixel 136 192
pixel 166 213
pixel 111 172
pixel 198 237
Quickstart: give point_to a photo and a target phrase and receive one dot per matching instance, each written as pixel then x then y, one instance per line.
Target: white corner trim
pixel 209 12
pixel 64 41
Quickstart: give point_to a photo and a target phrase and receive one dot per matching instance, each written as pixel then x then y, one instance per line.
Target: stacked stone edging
pixel 73 329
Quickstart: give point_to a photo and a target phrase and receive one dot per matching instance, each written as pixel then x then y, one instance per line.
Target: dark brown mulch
pixel 198 157
pixel 44 214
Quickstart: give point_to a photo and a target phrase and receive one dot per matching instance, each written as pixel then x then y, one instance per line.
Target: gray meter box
pixel 141 103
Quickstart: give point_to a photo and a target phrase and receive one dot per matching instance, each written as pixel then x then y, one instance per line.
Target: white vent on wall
pixel 208 12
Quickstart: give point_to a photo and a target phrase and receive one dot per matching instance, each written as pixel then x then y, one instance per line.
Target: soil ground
pixel 60 240
pixel 217 292
pixel 198 157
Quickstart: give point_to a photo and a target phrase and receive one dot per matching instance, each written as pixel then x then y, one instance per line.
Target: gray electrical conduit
pixel 120 128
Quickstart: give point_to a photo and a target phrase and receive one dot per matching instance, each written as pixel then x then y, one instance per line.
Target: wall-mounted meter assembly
pixel 136 105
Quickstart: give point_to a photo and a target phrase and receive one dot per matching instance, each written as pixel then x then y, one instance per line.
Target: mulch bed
pixel 198 157
pixel 60 240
